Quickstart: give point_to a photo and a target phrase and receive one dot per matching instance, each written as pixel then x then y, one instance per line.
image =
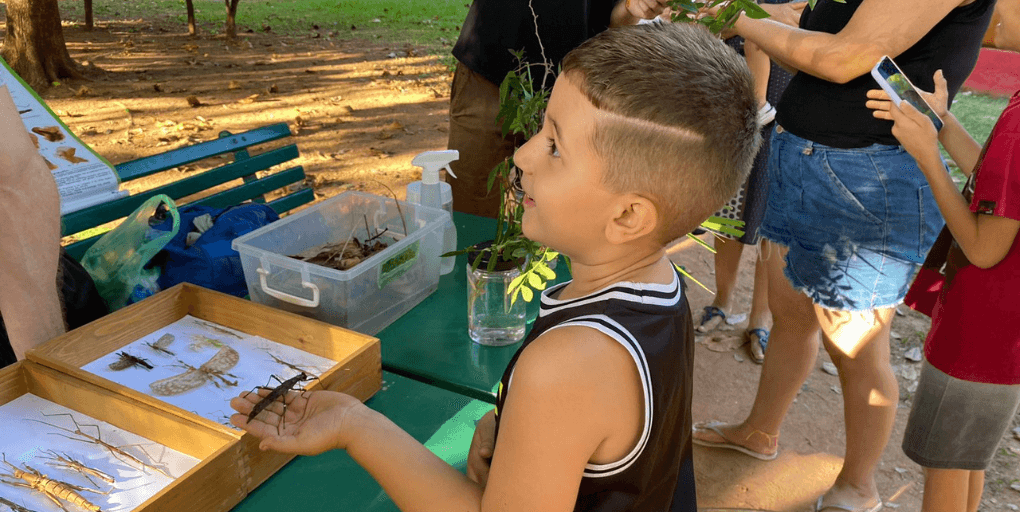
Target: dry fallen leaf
pixel 248 99
pixel 273 89
pixel 234 85
pixel 193 101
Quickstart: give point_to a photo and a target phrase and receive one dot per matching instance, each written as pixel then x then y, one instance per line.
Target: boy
pixel 647 132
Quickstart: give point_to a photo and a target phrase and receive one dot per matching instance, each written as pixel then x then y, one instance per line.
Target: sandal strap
pixel 710 313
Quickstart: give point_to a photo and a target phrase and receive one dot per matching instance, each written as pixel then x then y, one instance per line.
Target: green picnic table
pixel 430 343
pixel 442 420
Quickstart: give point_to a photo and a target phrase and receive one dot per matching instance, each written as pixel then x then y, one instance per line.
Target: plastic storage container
pixel 373 293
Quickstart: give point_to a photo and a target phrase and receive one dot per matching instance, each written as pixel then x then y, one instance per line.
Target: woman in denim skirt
pixel 849 216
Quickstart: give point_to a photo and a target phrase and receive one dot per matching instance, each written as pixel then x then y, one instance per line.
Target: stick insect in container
pixel 55 490
pixel 14 506
pixel 278 392
pixel 116 451
pixel 64 461
pixel 127 361
pixel 215 368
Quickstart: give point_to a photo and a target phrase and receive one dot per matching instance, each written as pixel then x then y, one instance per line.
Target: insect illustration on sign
pixel 55 490
pixel 162 343
pixel 126 361
pixel 215 368
pixel 116 451
pixel 277 392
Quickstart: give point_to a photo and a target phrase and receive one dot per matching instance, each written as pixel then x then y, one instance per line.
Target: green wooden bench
pixel 243 166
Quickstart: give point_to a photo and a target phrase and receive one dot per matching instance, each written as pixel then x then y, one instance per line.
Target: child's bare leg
pixel 793 349
pixel 949 490
pixel 760 65
pixel 29 237
pixel 858 343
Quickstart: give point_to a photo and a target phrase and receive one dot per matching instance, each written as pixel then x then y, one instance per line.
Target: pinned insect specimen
pixel 127 361
pixel 204 341
pixel 292 366
pixel 55 490
pixel 64 461
pixel 13 506
pixel 278 392
pixel 214 368
pixel 218 329
pixel 116 451
pixel 162 343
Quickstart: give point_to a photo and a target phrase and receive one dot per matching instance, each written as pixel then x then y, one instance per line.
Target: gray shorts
pixel 957 424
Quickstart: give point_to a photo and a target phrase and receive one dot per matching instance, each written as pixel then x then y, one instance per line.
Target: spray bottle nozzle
pixel 431 162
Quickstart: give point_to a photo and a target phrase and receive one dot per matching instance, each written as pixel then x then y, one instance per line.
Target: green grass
pixel 978 114
pixel 434 24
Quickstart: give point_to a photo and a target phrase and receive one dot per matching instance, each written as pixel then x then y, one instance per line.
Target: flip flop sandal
pixel 819 506
pixel 710 313
pixel 714 427
pixel 757 345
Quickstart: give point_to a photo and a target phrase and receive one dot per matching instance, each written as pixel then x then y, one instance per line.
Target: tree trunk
pixel 192 28
pixel 231 29
pixel 88 16
pixel 34 46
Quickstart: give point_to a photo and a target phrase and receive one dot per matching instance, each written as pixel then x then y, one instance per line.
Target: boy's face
pixel 565 204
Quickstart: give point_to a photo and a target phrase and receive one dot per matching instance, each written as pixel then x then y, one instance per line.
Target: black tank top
pixel 835 114
pixel 653 321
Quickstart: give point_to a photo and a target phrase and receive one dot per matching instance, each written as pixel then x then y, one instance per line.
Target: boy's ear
pixel 634 217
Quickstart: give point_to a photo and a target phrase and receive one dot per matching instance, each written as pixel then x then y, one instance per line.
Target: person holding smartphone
pixel 849 216
pixel 969 389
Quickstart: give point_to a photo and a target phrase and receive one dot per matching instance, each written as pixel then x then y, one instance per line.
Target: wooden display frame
pixel 358 371
pixel 214 485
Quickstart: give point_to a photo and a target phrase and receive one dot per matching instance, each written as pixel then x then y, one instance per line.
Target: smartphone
pixel 892 80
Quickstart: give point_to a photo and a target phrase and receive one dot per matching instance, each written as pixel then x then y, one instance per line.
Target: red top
pixel 975 332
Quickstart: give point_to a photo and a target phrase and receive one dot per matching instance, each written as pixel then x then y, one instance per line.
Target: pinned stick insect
pixel 55 490
pixel 14 506
pixel 214 368
pixel 117 451
pixel 64 461
pixel 127 361
pixel 278 392
pixel 218 329
pixel 162 343
pixel 290 365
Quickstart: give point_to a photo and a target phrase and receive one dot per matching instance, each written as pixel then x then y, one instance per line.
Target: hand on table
pixel 315 421
pixel 482 445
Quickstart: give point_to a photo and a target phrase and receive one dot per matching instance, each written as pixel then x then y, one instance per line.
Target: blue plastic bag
pixel 210 262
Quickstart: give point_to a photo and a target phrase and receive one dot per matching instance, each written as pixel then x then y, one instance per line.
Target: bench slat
pixel 288 203
pixel 119 208
pixel 150 165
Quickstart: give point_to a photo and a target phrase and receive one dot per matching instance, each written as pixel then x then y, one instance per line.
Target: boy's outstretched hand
pixel 315 421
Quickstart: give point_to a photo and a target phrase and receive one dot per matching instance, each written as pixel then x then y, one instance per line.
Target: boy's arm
pixel 985 239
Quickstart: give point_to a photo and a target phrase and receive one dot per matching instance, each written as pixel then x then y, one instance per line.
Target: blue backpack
pixel 210 262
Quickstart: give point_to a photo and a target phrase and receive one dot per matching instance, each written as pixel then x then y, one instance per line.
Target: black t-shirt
pixel 835 114
pixel 653 321
pixel 495 27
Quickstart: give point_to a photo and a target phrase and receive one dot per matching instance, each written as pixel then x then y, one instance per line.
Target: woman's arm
pixel 877 28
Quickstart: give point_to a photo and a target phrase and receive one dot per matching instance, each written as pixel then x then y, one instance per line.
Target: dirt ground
pixel 361 110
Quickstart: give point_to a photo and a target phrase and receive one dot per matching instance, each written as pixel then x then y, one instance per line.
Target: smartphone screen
pixel 899 88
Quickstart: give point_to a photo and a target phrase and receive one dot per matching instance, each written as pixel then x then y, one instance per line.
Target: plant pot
pixel 492 320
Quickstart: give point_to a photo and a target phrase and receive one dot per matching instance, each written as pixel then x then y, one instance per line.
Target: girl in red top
pixel 970 383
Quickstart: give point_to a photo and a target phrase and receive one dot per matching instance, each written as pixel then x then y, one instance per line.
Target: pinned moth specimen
pixel 218 329
pixel 13 506
pixel 278 392
pixel 55 490
pixel 64 461
pixel 213 369
pixel 162 343
pixel 127 361
pixel 116 451
pixel 202 341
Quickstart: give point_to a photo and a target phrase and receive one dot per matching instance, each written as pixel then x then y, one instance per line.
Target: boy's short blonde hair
pixel 677 121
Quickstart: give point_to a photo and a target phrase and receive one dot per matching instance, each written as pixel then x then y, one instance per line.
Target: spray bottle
pixel 437 194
